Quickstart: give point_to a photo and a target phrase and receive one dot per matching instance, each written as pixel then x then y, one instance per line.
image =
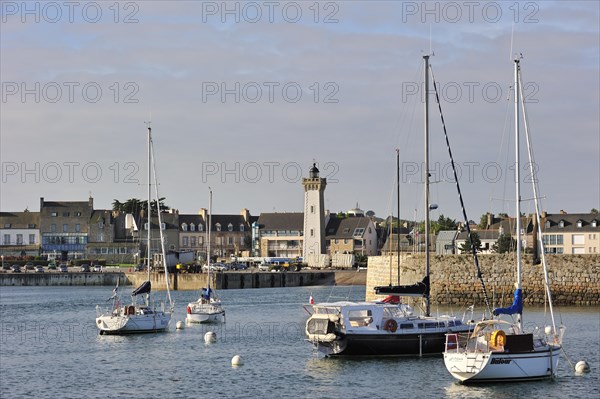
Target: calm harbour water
pixel 50 348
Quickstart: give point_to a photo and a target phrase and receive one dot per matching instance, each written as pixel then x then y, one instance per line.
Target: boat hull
pixel 202 317
pixel 482 367
pixel 385 344
pixel 133 324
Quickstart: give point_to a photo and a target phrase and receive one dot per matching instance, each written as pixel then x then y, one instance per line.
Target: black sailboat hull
pixel 427 343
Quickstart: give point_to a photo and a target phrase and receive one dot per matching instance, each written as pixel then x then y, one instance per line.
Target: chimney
pixel 490 220
pixel 41 203
pixel 245 214
pixel 563 212
pixel 544 214
pixel 91 203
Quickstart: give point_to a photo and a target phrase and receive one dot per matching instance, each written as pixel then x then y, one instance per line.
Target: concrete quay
pixel 225 280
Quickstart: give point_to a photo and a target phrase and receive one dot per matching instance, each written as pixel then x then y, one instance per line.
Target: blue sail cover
pixel 206 293
pixel 142 289
pixel 516 307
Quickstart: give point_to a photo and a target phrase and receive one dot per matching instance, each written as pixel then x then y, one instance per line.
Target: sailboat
pixel 385 328
pixel 207 308
pixel 499 350
pixel 140 316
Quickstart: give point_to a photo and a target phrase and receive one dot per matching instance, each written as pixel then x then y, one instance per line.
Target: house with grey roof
pixel 446 242
pixel 571 233
pixel 20 233
pixel 352 235
pixel 278 234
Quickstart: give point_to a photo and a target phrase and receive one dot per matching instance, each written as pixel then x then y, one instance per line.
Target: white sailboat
pixel 207 308
pixel 498 350
pixel 385 328
pixel 140 316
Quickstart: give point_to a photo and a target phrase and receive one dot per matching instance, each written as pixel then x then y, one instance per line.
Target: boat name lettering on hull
pixel 501 361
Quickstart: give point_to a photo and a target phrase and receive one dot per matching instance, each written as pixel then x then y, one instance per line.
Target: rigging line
pixel 462 205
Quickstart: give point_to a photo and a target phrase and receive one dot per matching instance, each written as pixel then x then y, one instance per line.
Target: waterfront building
pixel 576 233
pixel 64 227
pixel 20 233
pixel 351 235
pixel 279 234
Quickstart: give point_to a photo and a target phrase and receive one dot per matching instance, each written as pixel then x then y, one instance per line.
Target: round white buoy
pixel 548 330
pixel 179 325
pixel 582 367
pixel 210 337
pixel 237 360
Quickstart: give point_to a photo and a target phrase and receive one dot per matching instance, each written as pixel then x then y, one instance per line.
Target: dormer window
pixel 561 224
pixel 218 226
pixel 163 226
pixel 192 227
pixel 200 227
pixel 547 224
pixel 579 223
pixel 594 223
pixel 183 226
pixel 230 227
pixel 241 227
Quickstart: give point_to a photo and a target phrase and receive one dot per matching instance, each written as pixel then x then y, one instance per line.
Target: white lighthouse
pixel 314 216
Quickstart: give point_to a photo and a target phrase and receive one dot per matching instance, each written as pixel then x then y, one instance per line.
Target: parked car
pixel 85 268
pixel 6 266
pixel 215 267
pixel 97 268
pixel 263 267
pixel 63 268
pixel 238 266
pixel 15 268
pixel 51 266
pixel 29 266
pixel 39 269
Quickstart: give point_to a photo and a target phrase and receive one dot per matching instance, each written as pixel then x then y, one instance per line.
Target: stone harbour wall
pixel 574 279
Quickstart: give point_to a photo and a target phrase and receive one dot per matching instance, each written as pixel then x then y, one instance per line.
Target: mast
pixel 398 197
pixel 426 60
pixel 149 208
pixel 518 186
pixel 208 239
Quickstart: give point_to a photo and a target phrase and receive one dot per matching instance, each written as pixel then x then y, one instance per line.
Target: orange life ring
pixel 498 338
pixel 390 325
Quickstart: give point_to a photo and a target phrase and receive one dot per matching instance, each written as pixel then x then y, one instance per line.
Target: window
pixel 6 240
pixel 53 228
pixel 370 230
pixel 122 250
pixel 594 223
pixel 312 232
pixel 77 213
pixel 7 225
pixel 241 227
pixel 312 209
pixel 242 241
pixel 185 241
pixel 547 224
pixel 145 226
pixel 200 240
pixel 77 228
pixel 65 228
pixel 192 227
pixel 561 224
pixel 230 227
pixel 19 239
pixel 65 214
pixel 578 239
pixel 31 239
pixel 359 232
pixel 163 226
pixel 345 241
pixel 335 241
pixel 200 227
pixel 183 226
pixel 579 223
pixel 31 226
pixel 104 250
pixel 54 214
pixel 193 241
pixel 229 240
pixel 218 226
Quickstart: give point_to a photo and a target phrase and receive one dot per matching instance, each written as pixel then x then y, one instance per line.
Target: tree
pixel 136 206
pixel 465 247
pixel 504 244
pixel 594 211
pixel 444 223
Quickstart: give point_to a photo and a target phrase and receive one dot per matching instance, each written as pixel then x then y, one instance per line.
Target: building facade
pixel 20 233
pixel 577 233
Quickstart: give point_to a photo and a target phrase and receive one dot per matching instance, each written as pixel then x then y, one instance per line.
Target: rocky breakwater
pixel 574 279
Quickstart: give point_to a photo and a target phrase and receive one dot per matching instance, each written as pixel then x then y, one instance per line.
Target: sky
pixel 243 97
